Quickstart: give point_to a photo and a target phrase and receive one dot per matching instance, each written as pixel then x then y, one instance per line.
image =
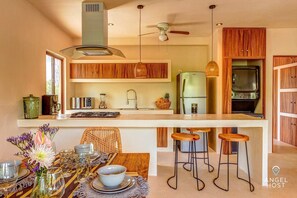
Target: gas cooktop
pixel 95 115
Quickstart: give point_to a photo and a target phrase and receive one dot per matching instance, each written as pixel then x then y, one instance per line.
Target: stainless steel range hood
pixel 94 33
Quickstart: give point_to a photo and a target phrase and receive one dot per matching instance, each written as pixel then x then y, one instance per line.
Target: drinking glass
pixel 8 175
pixel 55 181
pixel 82 167
pixel 67 162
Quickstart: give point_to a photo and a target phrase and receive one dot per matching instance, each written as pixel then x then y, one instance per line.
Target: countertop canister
pixel 31 107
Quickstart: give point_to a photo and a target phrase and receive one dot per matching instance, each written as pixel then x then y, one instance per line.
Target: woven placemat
pixel 140 189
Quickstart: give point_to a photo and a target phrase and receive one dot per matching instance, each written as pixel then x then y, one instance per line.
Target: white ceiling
pixel 125 16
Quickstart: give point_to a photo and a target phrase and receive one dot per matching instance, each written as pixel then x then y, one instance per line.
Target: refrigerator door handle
pixel 183 89
pixel 183 98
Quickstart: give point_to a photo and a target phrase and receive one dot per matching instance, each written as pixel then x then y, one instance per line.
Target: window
pixel 54 76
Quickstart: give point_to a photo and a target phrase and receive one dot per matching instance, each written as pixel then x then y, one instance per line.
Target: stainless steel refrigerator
pixel 191 90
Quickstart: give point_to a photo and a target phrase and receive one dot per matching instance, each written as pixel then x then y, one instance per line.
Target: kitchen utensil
pixel 50 105
pixel 82 102
pixel 31 107
pixel 102 104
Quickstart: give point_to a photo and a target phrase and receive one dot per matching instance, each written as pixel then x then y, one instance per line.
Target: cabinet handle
pixel 247 50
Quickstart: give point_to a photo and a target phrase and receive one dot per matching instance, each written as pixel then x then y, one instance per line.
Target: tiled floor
pixel 285 157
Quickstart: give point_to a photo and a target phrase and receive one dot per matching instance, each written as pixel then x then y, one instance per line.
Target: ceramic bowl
pixel 83 149
pixel 112 175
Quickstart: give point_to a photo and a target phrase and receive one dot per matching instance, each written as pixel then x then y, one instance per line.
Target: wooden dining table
pixel 137 164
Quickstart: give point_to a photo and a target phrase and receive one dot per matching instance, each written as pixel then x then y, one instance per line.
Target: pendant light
pixel 140 70
pixel 212 68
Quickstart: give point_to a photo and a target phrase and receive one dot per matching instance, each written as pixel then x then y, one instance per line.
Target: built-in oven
pixel 245 93
pixel 245 88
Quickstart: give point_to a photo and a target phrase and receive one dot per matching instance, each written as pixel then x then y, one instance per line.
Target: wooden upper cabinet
pixel 288 78
pixel 100 71
pixel 244 43
pixel 284 60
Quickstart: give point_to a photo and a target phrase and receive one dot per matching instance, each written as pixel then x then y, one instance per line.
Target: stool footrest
pixel 252 188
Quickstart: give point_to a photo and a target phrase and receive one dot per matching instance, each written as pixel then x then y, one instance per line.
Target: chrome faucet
pixel 135 97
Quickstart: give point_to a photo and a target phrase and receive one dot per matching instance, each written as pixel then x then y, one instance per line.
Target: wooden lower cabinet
pixel 288 102
pixel 288 130
pixel 162 138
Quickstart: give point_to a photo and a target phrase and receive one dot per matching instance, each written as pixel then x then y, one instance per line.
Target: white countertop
pixel 150 120
pixel 255 128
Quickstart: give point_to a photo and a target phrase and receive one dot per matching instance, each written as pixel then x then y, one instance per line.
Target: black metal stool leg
pixel 210 167
pixel 175 168
pixel 193 160
pixel 237 172
pixel 228 163
pixel 214 180
pixel 252 188
pixel 189 159
pixel 196 167
pixel 204 158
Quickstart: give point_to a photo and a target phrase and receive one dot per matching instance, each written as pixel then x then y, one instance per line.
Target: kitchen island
pixel 139 135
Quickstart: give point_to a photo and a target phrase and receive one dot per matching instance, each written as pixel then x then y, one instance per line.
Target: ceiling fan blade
pixel 179 32
pixel 148 33
pixel 188 23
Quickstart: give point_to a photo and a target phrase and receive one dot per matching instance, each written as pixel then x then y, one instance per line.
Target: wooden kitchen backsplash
pixel 115 70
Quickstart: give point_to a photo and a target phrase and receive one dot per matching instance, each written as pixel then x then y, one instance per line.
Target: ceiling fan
pixel 164 29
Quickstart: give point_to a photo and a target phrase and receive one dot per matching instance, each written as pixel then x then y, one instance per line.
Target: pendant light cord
pixel 140 8
pixel 212 7
pixel 212 34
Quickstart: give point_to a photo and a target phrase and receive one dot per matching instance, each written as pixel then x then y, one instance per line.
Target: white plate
pixel 24 172
pixel 99 186
pixel 130 185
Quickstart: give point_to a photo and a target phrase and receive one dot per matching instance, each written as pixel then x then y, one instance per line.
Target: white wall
pixel 25 35
pixel 279 42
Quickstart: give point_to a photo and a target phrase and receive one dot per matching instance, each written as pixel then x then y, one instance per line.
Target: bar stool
pixel 205 132
pixel 191 138
pixel 234 138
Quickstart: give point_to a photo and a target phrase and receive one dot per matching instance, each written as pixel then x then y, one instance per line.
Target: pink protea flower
pixel 41 139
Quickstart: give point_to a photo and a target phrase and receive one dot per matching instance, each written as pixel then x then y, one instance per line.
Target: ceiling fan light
pixel 163 37
pixel 212 69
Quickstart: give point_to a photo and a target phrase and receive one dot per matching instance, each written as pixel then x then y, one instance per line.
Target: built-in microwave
pixel 245 82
